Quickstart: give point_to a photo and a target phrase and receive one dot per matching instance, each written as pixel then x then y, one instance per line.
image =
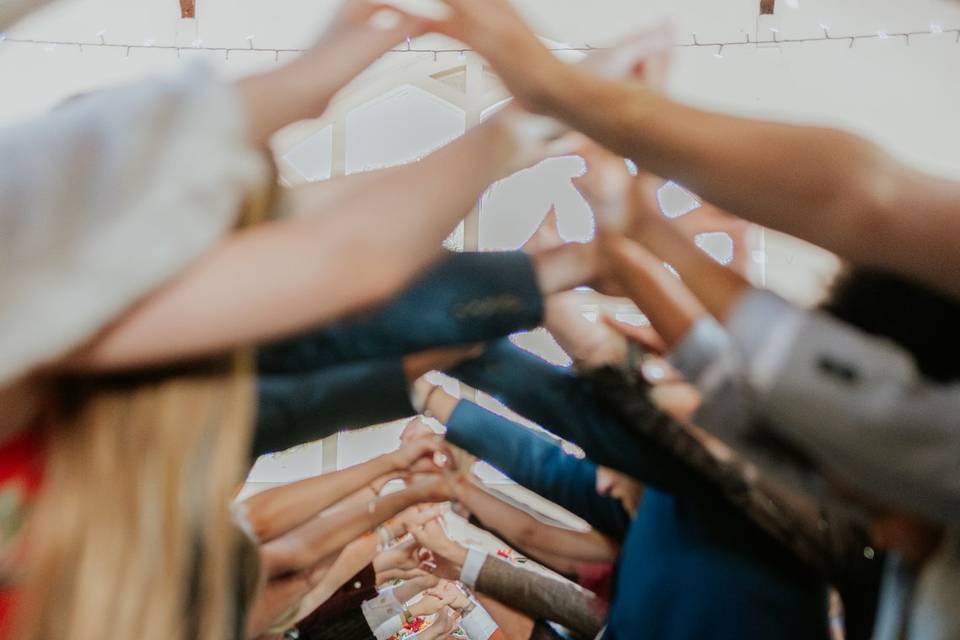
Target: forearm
pixel 671 308
pixel 589 344
pixel 281 97
pixel 565 267
pixel 293 269
pixel 351 560
pixel 329 532
pixel 542 597
pixel 825 186
pixel 808 174
pixel 277 511
pixel 526 532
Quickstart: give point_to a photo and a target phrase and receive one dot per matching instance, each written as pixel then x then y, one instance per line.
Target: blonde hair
pixel 132 535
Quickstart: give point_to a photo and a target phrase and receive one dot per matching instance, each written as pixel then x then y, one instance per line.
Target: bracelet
pixel 426 402
pixel 408 617
pixel 467 610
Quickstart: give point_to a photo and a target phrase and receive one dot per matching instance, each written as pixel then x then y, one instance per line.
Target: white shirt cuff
pixel 470 571
pixel 380 609
pixel 386 630
pixel 764 328
pixel 705 345
pixel 478 624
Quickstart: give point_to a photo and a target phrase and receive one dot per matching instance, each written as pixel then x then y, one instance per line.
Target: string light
pixel 935 29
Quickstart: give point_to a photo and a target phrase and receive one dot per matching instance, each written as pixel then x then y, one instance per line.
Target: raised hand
pixel 403 556
pixel 359 33
pixel 432 536
pixel 647 337
pixel 530 71
pixel 547 235
pixel 417 428
pixel 604 186
pixel 424 514
pixel 644 56
pixel 416 456
pixel 430 604
pixel 644 214
pixel 444 624
pixel 496 31
pixel 432 488
pixel 448 590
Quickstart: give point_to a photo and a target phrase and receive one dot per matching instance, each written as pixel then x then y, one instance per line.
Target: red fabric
pixel 21 475
pixel 598 578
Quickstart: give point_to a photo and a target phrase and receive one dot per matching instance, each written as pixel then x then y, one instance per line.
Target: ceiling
pixel 292 23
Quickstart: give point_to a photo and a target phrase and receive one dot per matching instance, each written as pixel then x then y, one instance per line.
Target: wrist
pixel 440 405
pixel 416 610
pixel 545 80
pixel 455 554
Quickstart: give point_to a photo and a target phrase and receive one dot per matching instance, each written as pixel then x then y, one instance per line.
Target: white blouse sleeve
pixel 106 198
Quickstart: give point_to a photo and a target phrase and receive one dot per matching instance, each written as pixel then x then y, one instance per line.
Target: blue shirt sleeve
pixel 465 299
pixel 565 404
pixel 293 409
pixel 537 463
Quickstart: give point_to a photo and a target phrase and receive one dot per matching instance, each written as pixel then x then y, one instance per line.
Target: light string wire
pixel 198 45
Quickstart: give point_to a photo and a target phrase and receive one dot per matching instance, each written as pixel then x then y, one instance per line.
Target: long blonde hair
pixel 132 535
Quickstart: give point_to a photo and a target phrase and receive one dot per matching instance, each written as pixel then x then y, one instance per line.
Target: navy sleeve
pixel 466 298
pixel 537 463
pixel 293 409
pixel 565 404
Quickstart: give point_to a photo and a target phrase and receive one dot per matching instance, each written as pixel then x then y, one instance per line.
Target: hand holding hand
pixel 432 536
pixel 429 605
pixel 498 33
pixel 416 456
pixel 647 337
pixel 604 186
pixel 401 556
pixel 449 591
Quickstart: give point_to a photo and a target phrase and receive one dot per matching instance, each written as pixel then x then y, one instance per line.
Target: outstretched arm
pixel 149 178
pixel 525 531
pixel 293 271
pixel 276 511
pixel 826 186
pixel 327 533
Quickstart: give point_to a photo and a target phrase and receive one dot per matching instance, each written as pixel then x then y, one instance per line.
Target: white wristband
pixel 478 624
pixel 386 630
pixel 380 609
pixel 470 571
